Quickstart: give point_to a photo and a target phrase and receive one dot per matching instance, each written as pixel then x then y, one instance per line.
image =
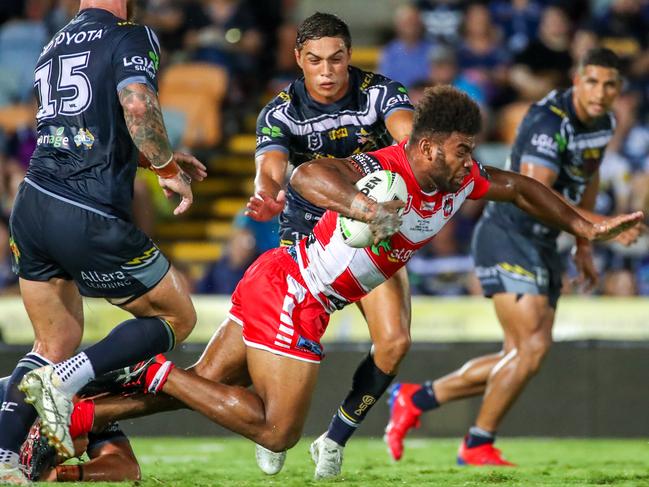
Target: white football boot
pixel 52 405
pixel 327 456
pixel 268 461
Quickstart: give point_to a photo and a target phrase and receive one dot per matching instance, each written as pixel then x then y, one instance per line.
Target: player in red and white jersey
pixel 338 274
pixel 281 309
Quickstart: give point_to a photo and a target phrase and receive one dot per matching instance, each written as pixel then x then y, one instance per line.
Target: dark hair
pixel 600 56
pixel 321 25
pixel 443 110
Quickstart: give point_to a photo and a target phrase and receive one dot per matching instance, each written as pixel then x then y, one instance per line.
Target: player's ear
pixel 426 147
pixel 298 60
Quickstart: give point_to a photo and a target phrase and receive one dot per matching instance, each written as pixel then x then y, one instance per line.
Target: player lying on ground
pixel 111 456
pixel 281 307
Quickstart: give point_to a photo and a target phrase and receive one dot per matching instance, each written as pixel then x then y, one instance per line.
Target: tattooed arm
pixel 330 183
pixel 145 124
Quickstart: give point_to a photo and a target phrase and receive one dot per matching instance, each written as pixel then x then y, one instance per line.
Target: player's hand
pixel 612 227
pixel 180 184
pixel 587 274
pixel 386 221
pixel 630 236
pixel 194 168
pixel 262 207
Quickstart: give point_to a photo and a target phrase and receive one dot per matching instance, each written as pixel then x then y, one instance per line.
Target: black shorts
pixel 508 262
pixel 107 257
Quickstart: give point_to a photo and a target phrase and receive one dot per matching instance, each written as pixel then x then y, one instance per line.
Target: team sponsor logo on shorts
pixel 55 139
pixel 84 138
pixel 142 260
pixel 14 249
pixel 309 345
pixel 105 280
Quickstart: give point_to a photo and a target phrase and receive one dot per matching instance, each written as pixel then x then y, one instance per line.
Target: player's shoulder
pixel 548 114
pixel 366 80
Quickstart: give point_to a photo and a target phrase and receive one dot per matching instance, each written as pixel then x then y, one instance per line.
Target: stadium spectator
pixel 545 63
pixel 481 56
pixel 518 21
pixel 444 70
pixel 405 58
pixel 442 19
pixel 21 41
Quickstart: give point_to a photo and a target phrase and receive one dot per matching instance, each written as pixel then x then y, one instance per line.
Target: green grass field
pixel 230 462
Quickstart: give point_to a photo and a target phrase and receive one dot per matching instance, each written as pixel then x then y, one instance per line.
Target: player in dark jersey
pixel 560 143
pixel 110 453
pixel 71 231
pixel 335 110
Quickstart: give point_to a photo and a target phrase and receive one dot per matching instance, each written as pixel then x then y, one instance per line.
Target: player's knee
pixel 183 322
pixel 280 439
pixel 389 352
pixel 533 351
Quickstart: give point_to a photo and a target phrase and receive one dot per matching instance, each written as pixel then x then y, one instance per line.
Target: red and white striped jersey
pixel 337 274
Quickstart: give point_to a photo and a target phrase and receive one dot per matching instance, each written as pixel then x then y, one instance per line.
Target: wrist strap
pixel 168 170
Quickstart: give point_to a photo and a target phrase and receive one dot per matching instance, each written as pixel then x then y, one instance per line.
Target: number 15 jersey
pixel 84 151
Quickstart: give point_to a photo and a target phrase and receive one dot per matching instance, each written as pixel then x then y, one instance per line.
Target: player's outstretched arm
pixel 269 198
pixel 144 121
pixel 542 203
pixel 329 183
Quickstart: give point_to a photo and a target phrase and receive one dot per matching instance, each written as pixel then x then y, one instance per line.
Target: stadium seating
pixel 197 90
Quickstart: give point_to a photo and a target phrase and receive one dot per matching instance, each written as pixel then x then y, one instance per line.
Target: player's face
pixel 324 63
pixel 452 162
pixel 595 90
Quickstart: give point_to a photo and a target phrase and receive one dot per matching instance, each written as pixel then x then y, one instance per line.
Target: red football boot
pixel 483 455
pixel 404 415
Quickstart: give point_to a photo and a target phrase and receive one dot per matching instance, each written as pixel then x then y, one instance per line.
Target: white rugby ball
pixel 381 186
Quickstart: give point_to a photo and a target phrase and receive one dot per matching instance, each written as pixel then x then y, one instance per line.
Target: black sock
pixel 16 416
pixel 130 342
pixel 425 398
pixel 478 437
pixel 368 384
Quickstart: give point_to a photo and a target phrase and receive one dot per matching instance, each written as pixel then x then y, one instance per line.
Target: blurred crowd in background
pixel 504 54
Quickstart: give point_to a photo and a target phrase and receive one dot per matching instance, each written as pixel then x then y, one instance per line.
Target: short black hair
pixel 600 56
pixel 321 25
pixel 443 110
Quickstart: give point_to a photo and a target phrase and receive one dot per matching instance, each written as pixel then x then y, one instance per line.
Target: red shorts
pixel 277 311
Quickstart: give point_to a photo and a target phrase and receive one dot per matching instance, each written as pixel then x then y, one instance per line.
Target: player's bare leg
pixel 528 323
pixel 220 362
pixel 387 312
pixel 56 313
pixel 409 401
pixel 280 384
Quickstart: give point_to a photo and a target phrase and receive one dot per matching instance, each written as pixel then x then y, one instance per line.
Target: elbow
pixel 300 177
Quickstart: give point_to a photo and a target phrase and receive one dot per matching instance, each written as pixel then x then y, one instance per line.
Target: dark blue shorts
pixel 508 262
pixel 107 257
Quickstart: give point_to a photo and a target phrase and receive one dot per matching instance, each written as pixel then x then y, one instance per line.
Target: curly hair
pixel 443 110
pixel 321 25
